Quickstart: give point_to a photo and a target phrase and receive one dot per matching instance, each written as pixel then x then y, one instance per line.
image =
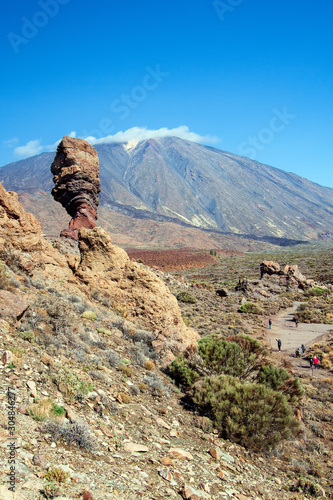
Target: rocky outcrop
pixel 134 290
pixel 274 279
pixel 269 267
pixel 75 172
pixel 291 276
pixel 21 240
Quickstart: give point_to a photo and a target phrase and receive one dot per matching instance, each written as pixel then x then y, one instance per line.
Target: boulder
pixel 11 306
pixel 269 267
pixel 75 172
pixel 22 243
pixel 135 290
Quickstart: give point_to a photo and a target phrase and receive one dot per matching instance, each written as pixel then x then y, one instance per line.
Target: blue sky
pixel 253 77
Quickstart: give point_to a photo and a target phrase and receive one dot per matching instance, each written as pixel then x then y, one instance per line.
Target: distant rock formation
pixel 75 172
pixel 274 279
pixel 290 276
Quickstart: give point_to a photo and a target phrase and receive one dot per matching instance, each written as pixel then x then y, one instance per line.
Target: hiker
pixel 279 343
pixel 303 348
pixel 311 362
pixel 298 353
pixel 315 362
pixel 296 322
pixel 270 323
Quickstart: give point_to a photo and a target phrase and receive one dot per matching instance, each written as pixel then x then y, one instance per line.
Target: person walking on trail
pixel 315 362
pixel 296 322
pixel 279 343
pixel 303 348
pixel 311 362
pixel 298 353
pixel 270 323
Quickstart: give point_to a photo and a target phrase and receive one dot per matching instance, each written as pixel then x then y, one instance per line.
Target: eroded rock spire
pixel 75 170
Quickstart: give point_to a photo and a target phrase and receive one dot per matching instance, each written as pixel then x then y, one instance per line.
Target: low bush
pixel 250 414
pixel 316 292
pixel 51 490
pixel 45 408
pixel 308 487
pixel 76 432
pixel 250 308
pixel 74 382
pixel 186 297
pixel 57 474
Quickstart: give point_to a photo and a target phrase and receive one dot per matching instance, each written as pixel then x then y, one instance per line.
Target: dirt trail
pixel 284 328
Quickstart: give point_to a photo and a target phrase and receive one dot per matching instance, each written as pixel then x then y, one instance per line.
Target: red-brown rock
pixel 75 172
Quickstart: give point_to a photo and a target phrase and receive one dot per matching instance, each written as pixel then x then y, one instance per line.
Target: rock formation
pixel 134 290
pixel 274 279
pixel 75 172
pixel 290 276
pixel 21 238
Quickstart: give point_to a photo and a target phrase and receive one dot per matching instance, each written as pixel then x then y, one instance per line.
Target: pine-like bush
pixel 229 380
pixel 253 415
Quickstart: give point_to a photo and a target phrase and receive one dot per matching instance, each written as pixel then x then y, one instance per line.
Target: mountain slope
pixel 180 181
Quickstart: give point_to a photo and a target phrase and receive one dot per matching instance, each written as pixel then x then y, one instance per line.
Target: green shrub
pixel 51 490
pixel 279 379
pixel 316 292
pixel 253 415
pixel 250 308
pixel 75 382
pixel 57 474
pixel 307 487
pixel 236 356
pixel 186 297
pixel 181 371
pixel 230 382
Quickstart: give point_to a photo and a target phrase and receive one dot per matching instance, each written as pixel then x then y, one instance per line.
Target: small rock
pixel 173 433
pixel 167 461
pixel 166 474
pixel 133 447
pixel 7 357
pixel 188 492
pixel 161 423
pixel 87 495
pixel 23 409
pixel 106 431
pixel 215 453
pixel 180 454
pixel 39 460
pixel 32 386
pixel 70 414
pixel 47 360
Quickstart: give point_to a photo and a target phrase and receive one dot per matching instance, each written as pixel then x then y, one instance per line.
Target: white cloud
pixel 137 134
pixel 30 149
pixel 131 136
